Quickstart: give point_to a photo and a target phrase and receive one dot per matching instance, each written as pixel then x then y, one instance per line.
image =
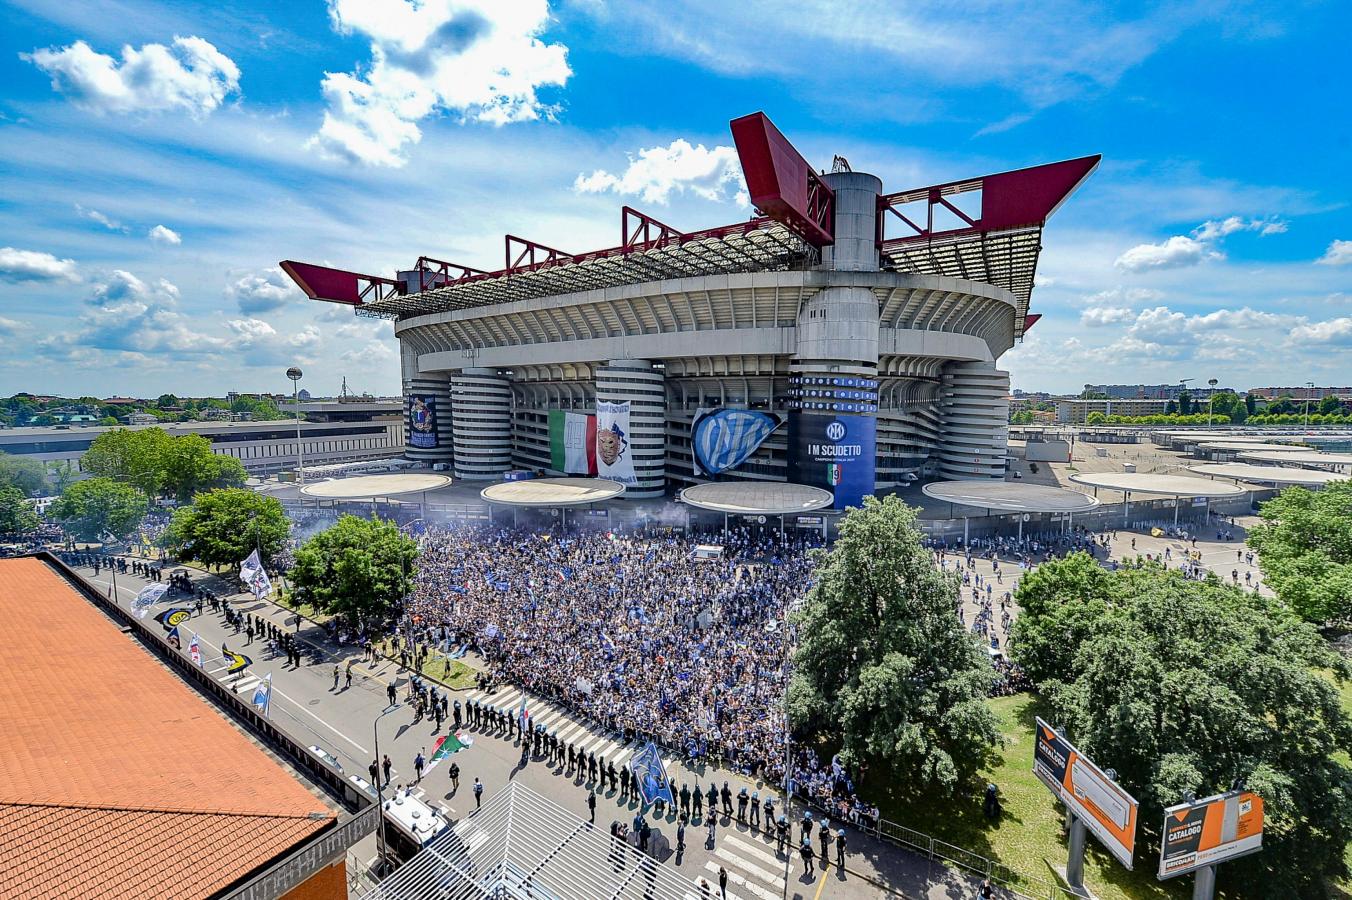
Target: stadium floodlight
pixel 294 373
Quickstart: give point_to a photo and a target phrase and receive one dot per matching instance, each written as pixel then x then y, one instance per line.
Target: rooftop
pixel 119 780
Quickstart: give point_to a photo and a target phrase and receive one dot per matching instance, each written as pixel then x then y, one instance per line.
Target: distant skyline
pixel 156 161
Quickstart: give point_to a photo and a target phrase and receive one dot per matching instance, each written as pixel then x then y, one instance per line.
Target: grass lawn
pixel 1028 837
pixel 450 672
pixel 305 609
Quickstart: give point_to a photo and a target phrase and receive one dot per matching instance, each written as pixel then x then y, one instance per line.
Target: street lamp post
pixel 294 374
pixel 1309 390
pixel 383 848
pixel 1211 397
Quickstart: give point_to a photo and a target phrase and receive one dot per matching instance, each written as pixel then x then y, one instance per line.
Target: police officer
pixel 713 800
pixel 685 799
pixel 698 797
pixel 755 810
pixel 840 850
pixel 782 832
pixel 456 714
pixel 727 800
pixel 741 805
pixel 825 834
pixel 769 812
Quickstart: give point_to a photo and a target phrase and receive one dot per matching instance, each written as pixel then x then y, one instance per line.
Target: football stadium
pixel 846 337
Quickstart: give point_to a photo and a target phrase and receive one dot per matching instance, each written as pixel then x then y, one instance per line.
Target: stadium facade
pixel 809 344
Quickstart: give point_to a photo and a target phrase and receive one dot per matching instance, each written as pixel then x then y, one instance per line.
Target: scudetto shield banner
pixel 723 439
pixel 835 452
pixel 422 421
pixel 1106 810
pixel 614 453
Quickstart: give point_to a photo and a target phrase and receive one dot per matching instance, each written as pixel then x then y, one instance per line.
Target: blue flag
pixel 651 775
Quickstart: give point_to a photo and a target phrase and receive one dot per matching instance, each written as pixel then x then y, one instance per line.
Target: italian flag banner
pixel 572 442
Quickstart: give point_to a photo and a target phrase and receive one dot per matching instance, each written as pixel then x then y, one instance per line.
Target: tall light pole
pixel 294 374
pixel 380 793
pixel 1211 383
pixel 1309 390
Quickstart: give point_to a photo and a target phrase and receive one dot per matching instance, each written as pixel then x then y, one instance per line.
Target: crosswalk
pixel 755 872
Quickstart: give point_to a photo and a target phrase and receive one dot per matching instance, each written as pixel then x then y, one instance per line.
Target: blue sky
pixel 157 160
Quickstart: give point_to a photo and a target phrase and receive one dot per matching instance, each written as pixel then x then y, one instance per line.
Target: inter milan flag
pixel 237 662
pixel 174 640
pixel 650 775
pixel 147 597
pixel 172 617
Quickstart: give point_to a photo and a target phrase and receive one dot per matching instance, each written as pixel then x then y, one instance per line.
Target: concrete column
pixel 975 409
pixel 481 403
pixel 636 382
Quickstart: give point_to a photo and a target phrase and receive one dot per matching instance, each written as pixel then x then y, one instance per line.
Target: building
pixel 1152 391
pixel 263 447
pixel 1076 411
pixel 1303 392
pixel 845 337
pixel 141 418
pixel 120 780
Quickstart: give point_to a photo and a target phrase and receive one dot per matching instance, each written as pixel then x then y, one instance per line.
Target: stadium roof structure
pixel 1239 446
pixel 1268 474
pixel 119 780
pixel 522 846
pixel 996 240
pixel 369 487
pixel 1010 496
pixel 549 493
pixel 1152 483
pixel 1302 458
pixel 756 498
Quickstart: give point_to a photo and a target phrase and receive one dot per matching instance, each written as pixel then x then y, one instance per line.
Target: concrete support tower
pixel 975 413
pixel 644 388
pixel 481 404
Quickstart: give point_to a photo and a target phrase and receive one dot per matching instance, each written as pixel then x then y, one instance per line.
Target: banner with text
pixel 614 457
pixel 422 421
pixel 835 452
pixel 572 442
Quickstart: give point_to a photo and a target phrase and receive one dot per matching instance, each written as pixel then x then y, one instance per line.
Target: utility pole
pixel 1309 390
pixel 1211 383
pixel 294 373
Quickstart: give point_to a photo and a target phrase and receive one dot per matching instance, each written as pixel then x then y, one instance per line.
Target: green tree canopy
pixel 135 456
pixel 17 515
pixel 94 507
pixel 1182 685
pixel 1095 418
pixel 361 568
pixel 883 665
pixel 190 468
pixel 222 527
pixel 1304 546
pixel 28 475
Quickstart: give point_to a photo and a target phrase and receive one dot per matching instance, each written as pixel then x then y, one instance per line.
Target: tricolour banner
pixel 723 439
pixel 572 442
pixel 614 458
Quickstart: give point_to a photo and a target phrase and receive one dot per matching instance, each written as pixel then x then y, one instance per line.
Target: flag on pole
pixel 262 695
pixel 651 774
pixel 195 650
pixel 147 597
pixel 250 568
pixel 173 638
pixel 261 585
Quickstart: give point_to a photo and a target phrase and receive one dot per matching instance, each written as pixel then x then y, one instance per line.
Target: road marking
pixel 571 729
pixel 758 852
pixel 821 884
pixel 769 878
pixel 738 879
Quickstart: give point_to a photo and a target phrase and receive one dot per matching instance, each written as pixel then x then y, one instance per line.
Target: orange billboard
pixel 1106 809
pixel 1206 832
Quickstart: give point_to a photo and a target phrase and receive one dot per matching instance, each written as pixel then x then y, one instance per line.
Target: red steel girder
pixel 532 256
pixel 782 184
pixel 337 285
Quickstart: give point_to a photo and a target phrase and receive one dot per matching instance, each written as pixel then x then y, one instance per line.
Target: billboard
pixel 1106 810
pixel 1205 832
pixel 572 442
pixel 614 455
pixel 723 439
pixel 835 452
pixel 422 421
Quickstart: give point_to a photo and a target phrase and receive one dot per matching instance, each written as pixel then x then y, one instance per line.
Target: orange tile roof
pixel 118 779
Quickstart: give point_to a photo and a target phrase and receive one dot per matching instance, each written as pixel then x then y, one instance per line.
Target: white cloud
pixel 1339 253
pixel 33 265
pixel 263 291
pixel 10 327
pixel 372 354
pixel 161 235
pixel 1119 296
pixel 1176 252
pixel 1336 332
pixel 1101 316
pixel 658 172
pixel 1182 250
pixel 260 344
pixel 192 75
pixel 107 222
pixel 481 59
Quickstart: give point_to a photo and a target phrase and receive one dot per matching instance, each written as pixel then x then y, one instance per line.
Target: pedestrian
pixel 390 692
pixel 348 673
pixel 478 792
pixel 455 777
pixel 712 822
pixel 591 806
pixel 336 672
pixel 374 769
pixel 387 766
pixel 418 762
pixel 987 890
pixel 723 882
pixel 680 834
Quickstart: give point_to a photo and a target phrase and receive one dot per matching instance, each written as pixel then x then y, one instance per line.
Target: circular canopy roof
pixel 1269 474
pixel 552 492
pixel 1011 496
pixel 366 487
pixel 1148 483
pixel 1252 446
pixel 757 498
pixel 1305 457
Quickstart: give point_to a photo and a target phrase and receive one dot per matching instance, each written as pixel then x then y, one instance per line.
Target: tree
pixel 1251 403
pixel 17 515
pixel 1304 546
pixel 137 456
pixel 28 475
pixel 222 527
pixel 883 665
pixel 166 400
pixel 190 467
pixel 1181 686
pixel 1330 405
pixel 1184 403
pixel 1095 418
pixel 360 568
pixel 1170 407
pixel 92 508
pixel 62 472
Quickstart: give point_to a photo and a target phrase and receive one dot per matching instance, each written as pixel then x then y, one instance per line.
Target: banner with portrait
pixel 422 421
pixel 614 453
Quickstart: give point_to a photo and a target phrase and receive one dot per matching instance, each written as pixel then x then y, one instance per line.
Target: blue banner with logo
pixel 835 452
pixel 723 439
